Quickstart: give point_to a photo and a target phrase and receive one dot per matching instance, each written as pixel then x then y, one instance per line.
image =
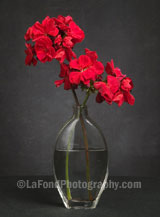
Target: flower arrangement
pixel 55 38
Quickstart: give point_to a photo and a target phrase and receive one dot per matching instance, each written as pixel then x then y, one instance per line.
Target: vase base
pixel 76 204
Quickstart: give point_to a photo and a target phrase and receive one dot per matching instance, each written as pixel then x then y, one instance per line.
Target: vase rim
pixel 78 109
pixel 79 106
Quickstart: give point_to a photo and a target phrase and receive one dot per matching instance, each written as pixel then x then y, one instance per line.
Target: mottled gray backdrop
pixel 32 110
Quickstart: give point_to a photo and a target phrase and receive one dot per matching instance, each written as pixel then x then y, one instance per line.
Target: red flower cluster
pixel 54 38
pixel 116 88
pixel 80 71
pixel 86 68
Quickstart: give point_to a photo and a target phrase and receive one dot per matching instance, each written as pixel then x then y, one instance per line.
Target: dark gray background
pixel 32 110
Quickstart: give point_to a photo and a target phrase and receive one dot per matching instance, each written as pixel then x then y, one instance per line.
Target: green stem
pixel 75 97
pixel 67 166
pixel 86 98
pixel 87 156
pixel 85 140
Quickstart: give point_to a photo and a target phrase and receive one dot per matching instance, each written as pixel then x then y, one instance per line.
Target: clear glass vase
pixel 80 161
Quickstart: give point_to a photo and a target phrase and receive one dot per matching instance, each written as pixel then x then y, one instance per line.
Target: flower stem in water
pixel 67 166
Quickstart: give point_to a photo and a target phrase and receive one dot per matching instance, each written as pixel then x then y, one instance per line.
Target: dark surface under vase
pixel 40 202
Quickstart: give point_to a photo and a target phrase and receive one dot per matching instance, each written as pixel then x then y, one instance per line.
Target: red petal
pixel 41 55
pixel 99 98
pixel 53 32
pixel 67 84
pixel 58 82
pixel 99 68
pixel 127 84
pixel 45 21
pixel 34 61
pixel 58 40
pixel 74 64
pixel 119 98
pixel 28 34
pixel 60 55
pixel 92 54
pixel 64 70
pixel 75 32
pixel 84 61
pixel 68 19
pixel 99 84
pixel 88 74
pixel 49 26
pixel 118 73
pixel 70 54
pixel 105 91
pixel 109 67
pixel 129 98
pixel 67 42
pixel 75 77
pixel 37 30
pixel 113 83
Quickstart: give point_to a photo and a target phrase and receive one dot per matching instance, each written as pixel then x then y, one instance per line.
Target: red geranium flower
pixel 63 48
pixel 75 32
pixel 104 93
pixel 70 28
pixel 29 34
pixel 55 38
pixel 85 69
pixel 117 84
pixel 111 70
pixel 47 28
pixel 44 49
pixel 65 75
pixel 62 22
pixel 119 98
pixel 113 83
pixel 124 95
pixel 127 84
pixel 63 32
pixel 92 54
pixel 30 59
pixel 67 42
pixel 107 90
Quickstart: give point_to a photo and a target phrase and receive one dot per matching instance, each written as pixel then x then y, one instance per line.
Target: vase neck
pixel 80 110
